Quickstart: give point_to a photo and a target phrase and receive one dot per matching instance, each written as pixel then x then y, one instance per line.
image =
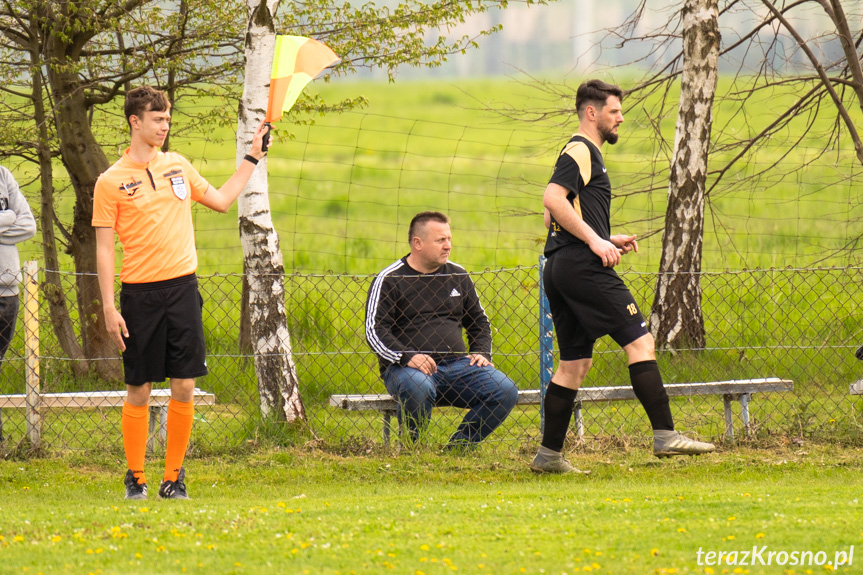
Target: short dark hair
pixel 595 93
pixel 420 220
pixel 144 99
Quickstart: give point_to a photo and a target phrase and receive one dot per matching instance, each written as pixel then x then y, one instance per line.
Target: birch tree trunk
pixel 676 320
pixel 276 373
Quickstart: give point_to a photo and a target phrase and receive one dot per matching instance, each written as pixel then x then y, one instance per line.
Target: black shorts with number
pixel 166 330
pixel 588 301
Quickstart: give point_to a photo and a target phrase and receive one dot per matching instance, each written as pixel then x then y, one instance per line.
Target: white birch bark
pixel 676 320
pixel 276 373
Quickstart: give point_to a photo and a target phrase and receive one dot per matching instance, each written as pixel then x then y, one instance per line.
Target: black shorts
pixel 588 301
pixel 166 330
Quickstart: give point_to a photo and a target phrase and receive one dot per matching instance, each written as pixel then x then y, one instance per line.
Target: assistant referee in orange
pixel 146 198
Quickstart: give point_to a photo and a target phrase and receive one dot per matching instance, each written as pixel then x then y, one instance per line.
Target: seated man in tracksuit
pixel 416 310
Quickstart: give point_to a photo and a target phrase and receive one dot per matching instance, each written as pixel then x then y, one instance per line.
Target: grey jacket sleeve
pixel 16 220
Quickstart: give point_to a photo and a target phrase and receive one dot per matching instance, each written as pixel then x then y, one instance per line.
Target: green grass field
pixel 302 511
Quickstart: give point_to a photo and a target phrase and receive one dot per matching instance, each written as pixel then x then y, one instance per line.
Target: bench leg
pixel 158 417
pixel 744 412
pixel 579 421
pixel 729 422
pixel 163 425
pixel 151 436
pixel 387 418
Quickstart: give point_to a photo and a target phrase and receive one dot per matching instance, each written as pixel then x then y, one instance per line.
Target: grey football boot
pixel 667 443
pixel 549 461
pixel 134 490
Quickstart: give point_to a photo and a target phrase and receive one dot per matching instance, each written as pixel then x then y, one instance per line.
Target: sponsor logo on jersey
pixel 454 293
pixel 131 187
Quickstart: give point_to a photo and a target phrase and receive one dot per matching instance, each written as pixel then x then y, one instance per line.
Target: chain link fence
pixel 797 324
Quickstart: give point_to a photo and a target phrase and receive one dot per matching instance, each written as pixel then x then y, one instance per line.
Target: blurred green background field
pixel 344 187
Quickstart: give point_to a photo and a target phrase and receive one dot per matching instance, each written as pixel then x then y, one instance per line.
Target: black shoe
pixel 859 353
pixel 175 489
pixel 134 490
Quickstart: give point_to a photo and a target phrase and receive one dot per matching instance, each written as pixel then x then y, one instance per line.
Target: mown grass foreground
pixel 294 511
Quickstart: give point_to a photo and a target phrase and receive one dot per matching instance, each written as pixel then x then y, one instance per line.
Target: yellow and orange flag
pixel 297 62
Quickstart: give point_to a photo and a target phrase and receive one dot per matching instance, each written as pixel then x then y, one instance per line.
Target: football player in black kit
pixel 587 298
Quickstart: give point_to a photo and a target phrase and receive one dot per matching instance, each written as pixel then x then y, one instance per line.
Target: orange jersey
pixel 150 208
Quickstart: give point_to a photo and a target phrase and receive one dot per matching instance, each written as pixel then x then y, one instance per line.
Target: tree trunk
pixel 276 373
pixel 676 320
pixel 85 161
pixel 52 289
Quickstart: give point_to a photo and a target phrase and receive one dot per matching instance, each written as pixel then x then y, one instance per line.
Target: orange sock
pixel 179 424
pixel 135 428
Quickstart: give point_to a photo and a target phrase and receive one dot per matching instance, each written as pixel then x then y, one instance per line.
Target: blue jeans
pixel 486 392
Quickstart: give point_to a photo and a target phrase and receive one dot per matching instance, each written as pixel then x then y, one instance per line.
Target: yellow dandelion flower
pixel 709 570
pixel 681 530
pixel 654 552
pixel 424 547
pixel 759 535
pixel 732 518
pixel 280 504
pixel 731 538
pixel 56 539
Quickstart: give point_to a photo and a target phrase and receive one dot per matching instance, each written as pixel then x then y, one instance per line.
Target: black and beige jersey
pixel 580 170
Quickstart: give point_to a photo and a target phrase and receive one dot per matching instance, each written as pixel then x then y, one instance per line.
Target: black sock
pixel 648 388
pixel 558 406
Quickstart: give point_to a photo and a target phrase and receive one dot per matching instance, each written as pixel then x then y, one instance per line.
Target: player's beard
pixel 608 136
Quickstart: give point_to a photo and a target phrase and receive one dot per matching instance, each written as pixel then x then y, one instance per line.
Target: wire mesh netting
pixel 801 325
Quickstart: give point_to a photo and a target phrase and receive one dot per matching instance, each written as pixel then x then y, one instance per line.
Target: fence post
pixel 546 363
pixel 31 352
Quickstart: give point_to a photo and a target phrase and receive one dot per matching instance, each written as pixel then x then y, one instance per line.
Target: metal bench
pixel 159 399
pixel 733 390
